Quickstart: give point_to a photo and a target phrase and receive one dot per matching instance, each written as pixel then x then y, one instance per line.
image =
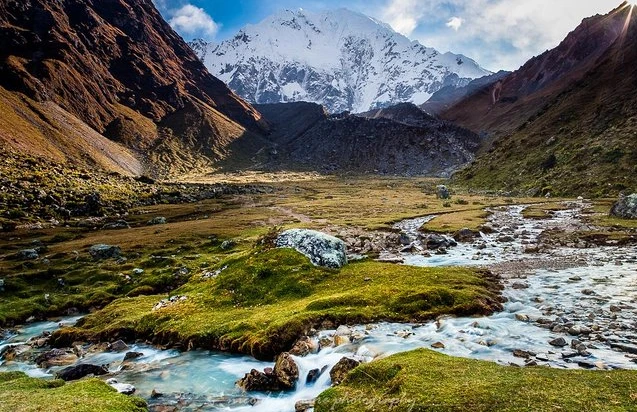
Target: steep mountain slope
pixel 73 72
pixel 513 100
pixel 449 96
pixel 567 120
pixel 343 60
pixel 397 140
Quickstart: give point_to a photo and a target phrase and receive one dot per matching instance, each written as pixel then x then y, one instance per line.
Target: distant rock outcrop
pixel 626 207
pixel 398 140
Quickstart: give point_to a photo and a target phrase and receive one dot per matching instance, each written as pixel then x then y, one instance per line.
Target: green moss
pixel 266 299
pixel 19 393
pixel 424 380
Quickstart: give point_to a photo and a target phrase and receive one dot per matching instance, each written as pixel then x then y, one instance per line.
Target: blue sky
pixel 498 34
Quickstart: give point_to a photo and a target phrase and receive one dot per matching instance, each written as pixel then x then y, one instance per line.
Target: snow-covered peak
pixel 339 58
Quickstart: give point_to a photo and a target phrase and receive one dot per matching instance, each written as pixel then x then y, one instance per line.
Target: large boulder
pixel 28 254
pixel 442 192
pixel 56 357
pixel 286 370
pixel 465 235
pixel 320 248
pixel 256 381
pixel 283 377
pixel 434 241
pixel 100 252
pixel 626 207
pixel 76 372
pixel 341 369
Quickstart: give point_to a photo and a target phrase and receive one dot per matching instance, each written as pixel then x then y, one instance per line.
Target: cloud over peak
pixel 193 21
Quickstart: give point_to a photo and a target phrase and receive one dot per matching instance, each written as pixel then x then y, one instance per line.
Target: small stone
pixel 519 353
pixel 343 330
pixel 303 406
pixel 341 369
pixel 123 388
pixel 118 346
pixel 341 340
pixel 438 345
pixel 588 292
pixel 159 220
pixel 521 318
pixel 155 394
pixel 132 355
pixel 558 342
pixel 614 308
pixel 520 285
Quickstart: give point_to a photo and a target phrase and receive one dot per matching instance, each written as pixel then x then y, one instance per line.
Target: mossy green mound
pixel 423 380
pixel 263 300
pixel 19 393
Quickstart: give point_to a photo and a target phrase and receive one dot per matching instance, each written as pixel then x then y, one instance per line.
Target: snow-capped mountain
pixel 343 60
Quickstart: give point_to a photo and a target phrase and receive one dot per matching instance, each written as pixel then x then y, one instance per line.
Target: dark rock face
pixel 626 207
pixel 400 140
pixel 79 371
pixel 449 95
pixel 341 369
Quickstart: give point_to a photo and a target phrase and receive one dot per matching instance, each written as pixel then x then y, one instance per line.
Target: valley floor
pixel 244 297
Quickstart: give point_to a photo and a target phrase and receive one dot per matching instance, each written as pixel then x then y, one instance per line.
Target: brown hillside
pixel 582 138
pixel 119 69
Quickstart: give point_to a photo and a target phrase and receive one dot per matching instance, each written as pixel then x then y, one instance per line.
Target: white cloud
pixel 499 34
pixel 193 21
pixel 455 23
pixel 402 15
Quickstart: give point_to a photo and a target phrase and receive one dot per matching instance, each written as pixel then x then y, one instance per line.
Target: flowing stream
pixel 590 302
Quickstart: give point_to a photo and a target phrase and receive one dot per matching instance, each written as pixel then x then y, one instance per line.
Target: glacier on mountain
pixel 341 59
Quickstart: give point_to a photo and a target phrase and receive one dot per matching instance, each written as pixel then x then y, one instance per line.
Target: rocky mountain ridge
pixel 400 140
pixel 343 60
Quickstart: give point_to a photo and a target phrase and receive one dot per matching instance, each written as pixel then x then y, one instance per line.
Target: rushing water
pixel 597 294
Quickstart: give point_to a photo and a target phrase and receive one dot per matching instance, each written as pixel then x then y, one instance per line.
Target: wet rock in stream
pixel 283 377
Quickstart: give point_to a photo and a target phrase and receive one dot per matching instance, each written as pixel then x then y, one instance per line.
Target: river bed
pixel 590 302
